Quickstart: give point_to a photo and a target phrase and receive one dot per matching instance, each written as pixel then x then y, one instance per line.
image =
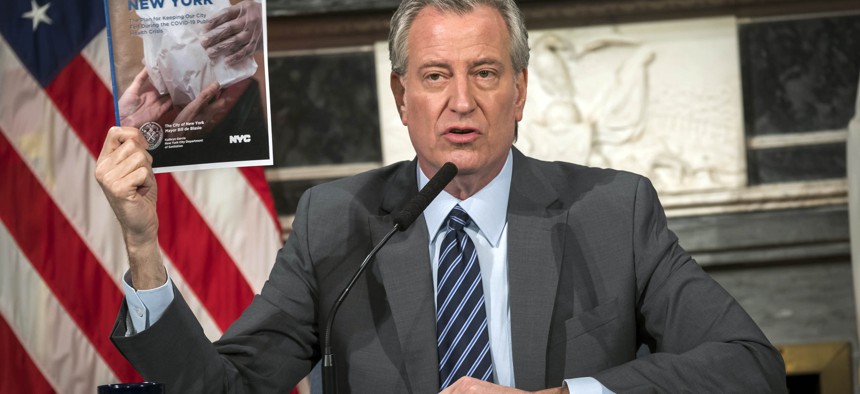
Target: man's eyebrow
pixel 487 61
pixel 435 64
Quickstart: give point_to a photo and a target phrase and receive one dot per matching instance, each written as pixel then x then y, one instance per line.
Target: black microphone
pixel 402 220
pixel 419 203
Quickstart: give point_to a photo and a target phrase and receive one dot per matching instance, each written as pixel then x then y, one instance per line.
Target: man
pixel 570 270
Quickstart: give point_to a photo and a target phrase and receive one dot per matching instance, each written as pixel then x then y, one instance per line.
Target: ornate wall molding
pixel 299 24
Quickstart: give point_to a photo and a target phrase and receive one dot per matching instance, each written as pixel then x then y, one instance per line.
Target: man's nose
pixel 462 98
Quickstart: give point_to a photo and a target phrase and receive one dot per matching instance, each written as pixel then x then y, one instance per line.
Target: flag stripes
pixel 58 254
pixel 196 252
pixel 84 101
pixel 53 340
pixel 61 250
pixel 96 53
pixel 257 180
pixel 50 146
pixel 184 235
pixel 21 376
pixel 236 229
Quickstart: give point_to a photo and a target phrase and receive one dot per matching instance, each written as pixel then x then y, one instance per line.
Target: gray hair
pixel 402 20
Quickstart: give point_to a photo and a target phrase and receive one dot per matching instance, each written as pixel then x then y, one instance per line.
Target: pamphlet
pixel 192 76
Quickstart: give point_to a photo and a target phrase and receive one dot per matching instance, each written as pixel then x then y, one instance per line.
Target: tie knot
pixel 458 218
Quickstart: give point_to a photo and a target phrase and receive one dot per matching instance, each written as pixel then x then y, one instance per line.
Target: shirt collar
pixel 488 207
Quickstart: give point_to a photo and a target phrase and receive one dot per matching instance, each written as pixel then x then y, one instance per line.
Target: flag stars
pixel 38 14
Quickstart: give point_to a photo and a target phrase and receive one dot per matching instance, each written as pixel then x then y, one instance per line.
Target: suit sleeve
pixel 700 338
pixel 269 348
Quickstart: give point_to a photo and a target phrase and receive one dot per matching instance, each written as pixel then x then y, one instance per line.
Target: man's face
pixel 460 97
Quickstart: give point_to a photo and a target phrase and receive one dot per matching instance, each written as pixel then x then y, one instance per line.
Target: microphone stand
pixel 328 368
pixel 402 221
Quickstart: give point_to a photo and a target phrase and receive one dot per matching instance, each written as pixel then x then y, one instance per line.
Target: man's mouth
pixel 461 131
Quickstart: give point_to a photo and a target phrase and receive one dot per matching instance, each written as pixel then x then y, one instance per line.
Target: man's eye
pixel 485 74
pixel 434 77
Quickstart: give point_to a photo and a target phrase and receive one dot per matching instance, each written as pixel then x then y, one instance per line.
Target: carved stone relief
pixel 659 99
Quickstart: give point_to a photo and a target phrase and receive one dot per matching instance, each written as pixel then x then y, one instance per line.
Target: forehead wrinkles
pixel 448 33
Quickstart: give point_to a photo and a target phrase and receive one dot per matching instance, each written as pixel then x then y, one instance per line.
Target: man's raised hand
pixel 124 172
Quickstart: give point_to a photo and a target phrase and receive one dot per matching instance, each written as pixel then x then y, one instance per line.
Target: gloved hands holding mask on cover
pixel 235 32
pixel 141 102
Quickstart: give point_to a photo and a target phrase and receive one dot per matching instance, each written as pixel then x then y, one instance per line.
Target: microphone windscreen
pixel 419 203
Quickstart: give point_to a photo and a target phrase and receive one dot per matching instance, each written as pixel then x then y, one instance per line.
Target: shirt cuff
pixel 145 307
pixel 586 386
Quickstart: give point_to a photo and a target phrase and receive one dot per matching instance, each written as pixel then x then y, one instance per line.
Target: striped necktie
pixel 461 318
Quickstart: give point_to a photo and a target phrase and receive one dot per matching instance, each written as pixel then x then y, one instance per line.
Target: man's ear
pixel 399 92
pixel 521 84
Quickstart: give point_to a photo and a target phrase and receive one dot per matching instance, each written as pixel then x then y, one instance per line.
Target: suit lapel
pixel 404 267
pixel 534 258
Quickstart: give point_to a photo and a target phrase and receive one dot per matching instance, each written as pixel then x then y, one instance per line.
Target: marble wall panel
pixel 324 109
pixel 797 163
pixel 660 99
pixel 800 75
pixel 287 193
pixel 324 112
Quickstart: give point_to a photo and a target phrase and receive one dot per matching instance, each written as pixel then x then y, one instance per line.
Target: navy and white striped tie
pixel 461 318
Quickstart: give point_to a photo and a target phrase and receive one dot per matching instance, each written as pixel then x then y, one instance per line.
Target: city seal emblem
pixel 153 133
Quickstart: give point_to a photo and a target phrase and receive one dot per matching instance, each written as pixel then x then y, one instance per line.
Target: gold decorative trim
pixel 830 361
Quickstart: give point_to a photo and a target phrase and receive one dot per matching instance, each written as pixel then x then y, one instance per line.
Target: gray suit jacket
pixel 594 274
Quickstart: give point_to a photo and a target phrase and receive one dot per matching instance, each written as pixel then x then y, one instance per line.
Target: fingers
pixel 242 54
pixel 231 46
pixel 127 157
pixel 152 108
pixel 130 178
pixel 193 108
pixel 224 15
pixel 208 94
pixel 130 98
pixel 117 136
pixel 140 78
pixel 233 29
pixel 468 384
pixel 250 46
pixel 124 166
pixel 162 104
pixel 143 178
pixel 133 178
pixel 224 39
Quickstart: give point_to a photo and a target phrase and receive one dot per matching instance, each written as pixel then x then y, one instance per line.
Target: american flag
pixel 61 251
